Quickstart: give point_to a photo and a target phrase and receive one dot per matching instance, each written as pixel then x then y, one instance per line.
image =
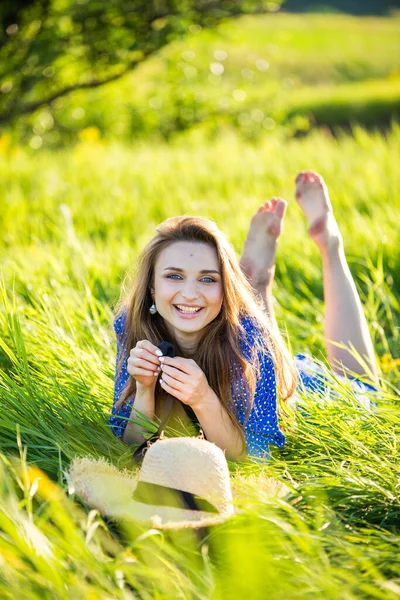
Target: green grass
pixel 255 74
pixel 73 223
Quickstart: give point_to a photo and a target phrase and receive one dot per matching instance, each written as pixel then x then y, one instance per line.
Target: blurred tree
pixel 355 7
pixel 49 48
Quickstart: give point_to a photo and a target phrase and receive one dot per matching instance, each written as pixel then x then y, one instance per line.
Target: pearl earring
pixel 153 309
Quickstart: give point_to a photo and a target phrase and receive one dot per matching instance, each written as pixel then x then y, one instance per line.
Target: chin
pixel 188 327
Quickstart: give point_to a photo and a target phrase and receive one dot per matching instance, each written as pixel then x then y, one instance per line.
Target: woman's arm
pixel 183 378
pixel 262 427
pixel 143 399
pixel 219 428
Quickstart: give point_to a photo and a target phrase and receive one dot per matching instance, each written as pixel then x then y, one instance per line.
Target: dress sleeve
pixel 262 427
pixel 117 420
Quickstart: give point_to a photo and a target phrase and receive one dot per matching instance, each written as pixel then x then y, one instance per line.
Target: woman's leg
pixel 259 251
pixel 345 321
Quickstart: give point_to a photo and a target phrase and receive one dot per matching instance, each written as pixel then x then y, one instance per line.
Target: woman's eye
pixel 205 279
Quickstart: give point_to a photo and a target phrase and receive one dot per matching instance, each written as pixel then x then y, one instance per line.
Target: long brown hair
pixel 219 346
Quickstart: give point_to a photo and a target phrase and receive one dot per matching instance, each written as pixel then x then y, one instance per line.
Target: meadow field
pixel 322 519
pixel 256 75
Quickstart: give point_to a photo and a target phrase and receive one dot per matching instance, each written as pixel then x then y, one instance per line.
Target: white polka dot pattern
pixel 261 428
pixel 117 420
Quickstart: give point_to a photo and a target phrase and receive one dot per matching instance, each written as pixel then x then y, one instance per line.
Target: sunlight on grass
pixel 322 519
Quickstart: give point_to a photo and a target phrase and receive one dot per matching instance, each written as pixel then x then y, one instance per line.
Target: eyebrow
pixel 182 271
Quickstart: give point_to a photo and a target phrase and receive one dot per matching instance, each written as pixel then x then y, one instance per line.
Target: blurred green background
pixel 113 117
pixel 192 69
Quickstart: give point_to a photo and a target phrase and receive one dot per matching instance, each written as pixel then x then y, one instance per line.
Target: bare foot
pixel 313 197
pixel 259 252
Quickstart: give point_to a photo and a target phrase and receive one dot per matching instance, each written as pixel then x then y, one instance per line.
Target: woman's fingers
pixel 142 373
pixel 139 367
pixel 146 345
pixel 141 363
pixel 144 354
pixel 173 383
pixel 171 390
pixel 174 373
pixel 186 365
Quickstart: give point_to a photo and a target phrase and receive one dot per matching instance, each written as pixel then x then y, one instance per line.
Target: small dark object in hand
pixel 167 349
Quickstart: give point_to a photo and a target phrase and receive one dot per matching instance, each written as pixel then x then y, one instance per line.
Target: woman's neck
pixel 189 342
pixel 189 346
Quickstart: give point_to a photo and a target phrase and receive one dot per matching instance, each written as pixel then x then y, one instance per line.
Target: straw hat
pixel 183 483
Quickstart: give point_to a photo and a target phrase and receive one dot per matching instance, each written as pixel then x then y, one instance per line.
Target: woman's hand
pixel 144 363
pixel 183 378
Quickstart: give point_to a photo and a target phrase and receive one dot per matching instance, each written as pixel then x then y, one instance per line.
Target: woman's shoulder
pixel 251 335
pixel 120 320
pixel 250 328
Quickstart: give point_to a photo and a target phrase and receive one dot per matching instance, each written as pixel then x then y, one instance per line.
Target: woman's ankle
pixel 333 250
pixel 263 282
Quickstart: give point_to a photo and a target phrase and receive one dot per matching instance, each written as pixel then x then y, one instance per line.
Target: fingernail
pixel 155 374
pixel 158 352
pixel 161 358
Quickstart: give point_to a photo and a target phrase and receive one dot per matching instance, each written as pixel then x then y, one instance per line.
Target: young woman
pixel 230 361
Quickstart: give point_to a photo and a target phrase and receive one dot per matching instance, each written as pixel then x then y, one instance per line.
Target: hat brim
pixel 110 490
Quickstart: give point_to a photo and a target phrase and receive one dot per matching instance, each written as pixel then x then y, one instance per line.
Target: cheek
pixel 163 290
pixel 215 296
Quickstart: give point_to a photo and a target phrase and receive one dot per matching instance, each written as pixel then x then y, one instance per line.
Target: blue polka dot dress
pixel 261 428
pixel 118 418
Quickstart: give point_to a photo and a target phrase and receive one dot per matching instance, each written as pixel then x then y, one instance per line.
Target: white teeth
pixel 187 309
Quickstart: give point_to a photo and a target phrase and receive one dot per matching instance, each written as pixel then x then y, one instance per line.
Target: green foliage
pixel 355 7
pixel 54 547
pixel 310 70
pixel 74 222
pixel 321 519
pixel 49 48
pixel 373 103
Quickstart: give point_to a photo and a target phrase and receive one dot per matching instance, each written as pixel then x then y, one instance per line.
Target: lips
pixel 188 307
pixel 188 311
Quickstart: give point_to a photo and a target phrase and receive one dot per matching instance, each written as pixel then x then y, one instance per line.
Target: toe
pixel 319 178
pixel 300 176
pixel 274 200
pixel 263 208
pixel 267 205
pixel 307 175
pixel 280 208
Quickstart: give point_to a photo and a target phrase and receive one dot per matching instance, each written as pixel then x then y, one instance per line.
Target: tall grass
pixel 322 519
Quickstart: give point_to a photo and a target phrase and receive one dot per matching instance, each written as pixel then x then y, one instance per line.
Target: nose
pixel 189 290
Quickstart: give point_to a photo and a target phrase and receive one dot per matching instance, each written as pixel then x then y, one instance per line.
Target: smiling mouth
pixel 186 310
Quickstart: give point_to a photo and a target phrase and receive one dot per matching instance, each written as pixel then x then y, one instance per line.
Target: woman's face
pixel 188 287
